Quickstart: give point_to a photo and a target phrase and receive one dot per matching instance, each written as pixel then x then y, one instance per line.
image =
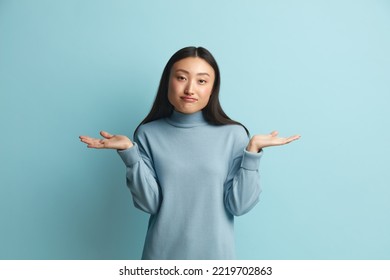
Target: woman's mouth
pixel 188 99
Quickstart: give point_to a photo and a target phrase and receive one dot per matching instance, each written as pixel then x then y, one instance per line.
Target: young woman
pixel 190 166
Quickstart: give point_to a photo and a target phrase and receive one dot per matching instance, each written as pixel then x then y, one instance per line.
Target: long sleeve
pixel 141 179
pixel 242 187
pixel 192 177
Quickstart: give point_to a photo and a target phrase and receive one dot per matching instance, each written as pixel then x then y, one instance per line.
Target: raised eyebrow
pixel 198 74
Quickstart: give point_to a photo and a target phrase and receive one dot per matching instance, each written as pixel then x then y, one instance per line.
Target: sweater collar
pixel 187 120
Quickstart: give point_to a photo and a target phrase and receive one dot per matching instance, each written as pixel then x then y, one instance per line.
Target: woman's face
pixel 190 84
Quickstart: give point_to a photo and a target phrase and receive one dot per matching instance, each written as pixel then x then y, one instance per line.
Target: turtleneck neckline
pixel 186 120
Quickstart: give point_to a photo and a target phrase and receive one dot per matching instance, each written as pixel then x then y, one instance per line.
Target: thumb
pixel 274 133
pixel 106 134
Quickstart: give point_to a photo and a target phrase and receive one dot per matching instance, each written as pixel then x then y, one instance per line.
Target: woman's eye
pixel 181 78
pixel 202 82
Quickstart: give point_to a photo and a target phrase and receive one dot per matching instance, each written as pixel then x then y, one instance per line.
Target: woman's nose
pixel 189 88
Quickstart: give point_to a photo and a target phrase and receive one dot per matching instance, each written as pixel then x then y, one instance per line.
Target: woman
pixel 190 166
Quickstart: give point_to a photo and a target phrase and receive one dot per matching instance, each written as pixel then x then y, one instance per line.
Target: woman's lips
pixel 188 99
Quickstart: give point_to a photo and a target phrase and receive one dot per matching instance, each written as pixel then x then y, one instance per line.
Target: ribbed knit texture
pixel 193 178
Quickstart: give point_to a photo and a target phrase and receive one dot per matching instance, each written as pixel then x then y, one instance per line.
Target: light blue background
pixel 318 68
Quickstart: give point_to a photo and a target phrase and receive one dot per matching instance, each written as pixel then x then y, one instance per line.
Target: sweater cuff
pixel 130 155
pixel 251 161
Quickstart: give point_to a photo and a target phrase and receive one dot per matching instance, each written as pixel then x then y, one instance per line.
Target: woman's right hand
pixel 118 142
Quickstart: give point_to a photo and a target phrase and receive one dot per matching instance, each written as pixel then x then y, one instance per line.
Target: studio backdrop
pixel 316 68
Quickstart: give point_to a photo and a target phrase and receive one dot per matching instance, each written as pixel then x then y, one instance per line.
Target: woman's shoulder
pixel 235 134
pixel 235 129
pixel 151 127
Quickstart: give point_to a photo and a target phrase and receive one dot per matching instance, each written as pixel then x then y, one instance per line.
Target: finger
pixel 92 142
pixel 293 138
pixel 96 144
pixel 106 135
pixel 274 133
pixel 85 139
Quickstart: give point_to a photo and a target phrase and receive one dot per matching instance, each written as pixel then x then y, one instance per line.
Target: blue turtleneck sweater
pixel 193 178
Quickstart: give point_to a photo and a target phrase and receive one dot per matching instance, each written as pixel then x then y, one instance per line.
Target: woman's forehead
pixel 193 65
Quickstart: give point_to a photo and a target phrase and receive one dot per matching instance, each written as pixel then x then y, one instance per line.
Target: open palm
pixel 109 141
pixel 258 142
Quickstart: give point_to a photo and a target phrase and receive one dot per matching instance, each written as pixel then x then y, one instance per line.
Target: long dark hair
pixel 213 112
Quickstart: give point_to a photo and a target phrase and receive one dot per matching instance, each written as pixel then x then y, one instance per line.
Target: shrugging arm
pixel 242 187
pixel 141 179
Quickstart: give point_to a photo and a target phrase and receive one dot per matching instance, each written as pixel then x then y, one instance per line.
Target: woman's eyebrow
pixel 198 74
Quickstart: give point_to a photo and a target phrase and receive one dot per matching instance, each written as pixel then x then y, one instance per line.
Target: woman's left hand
pixel 259 142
